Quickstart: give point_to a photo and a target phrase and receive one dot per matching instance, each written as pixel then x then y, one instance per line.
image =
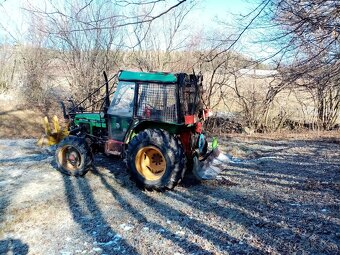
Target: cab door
pixel 120 115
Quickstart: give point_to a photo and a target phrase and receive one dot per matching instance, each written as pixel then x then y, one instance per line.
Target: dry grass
pixel 20 123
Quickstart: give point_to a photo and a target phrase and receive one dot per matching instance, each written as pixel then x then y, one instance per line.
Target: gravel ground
pixel 277 197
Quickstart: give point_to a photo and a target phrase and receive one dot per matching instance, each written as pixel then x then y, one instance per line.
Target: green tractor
pixel 154 120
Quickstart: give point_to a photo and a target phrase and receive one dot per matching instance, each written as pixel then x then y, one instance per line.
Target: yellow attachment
pixel 52 137
pixel 46 125
pixel 150 163
pixel 56 124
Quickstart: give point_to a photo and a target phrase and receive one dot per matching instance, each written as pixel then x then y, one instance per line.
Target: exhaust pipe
pixel 63 109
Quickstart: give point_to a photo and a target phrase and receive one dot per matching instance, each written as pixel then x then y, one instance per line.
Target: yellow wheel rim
pixel 69 158
pixel 150 163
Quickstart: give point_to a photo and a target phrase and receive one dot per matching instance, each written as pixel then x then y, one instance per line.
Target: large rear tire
pixel 73 156
pixel 156 160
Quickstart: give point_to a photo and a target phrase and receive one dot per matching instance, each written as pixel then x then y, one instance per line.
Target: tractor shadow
pixel 160 209
pixel 190 181
pixel 87 214
pixel 143 219
pixel 13 246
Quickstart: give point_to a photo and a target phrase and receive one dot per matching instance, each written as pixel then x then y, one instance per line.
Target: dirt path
pixel 282 197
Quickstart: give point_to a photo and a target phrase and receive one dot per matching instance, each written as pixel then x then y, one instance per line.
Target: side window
pixel 157 102
pixel 122 102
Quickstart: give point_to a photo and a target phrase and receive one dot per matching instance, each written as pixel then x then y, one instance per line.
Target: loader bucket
pixel 52 137
pixel 211 167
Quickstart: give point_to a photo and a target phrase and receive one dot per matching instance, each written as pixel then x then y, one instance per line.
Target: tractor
pixel 154 121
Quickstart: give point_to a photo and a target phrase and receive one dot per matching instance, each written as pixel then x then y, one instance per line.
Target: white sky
pixel 202 18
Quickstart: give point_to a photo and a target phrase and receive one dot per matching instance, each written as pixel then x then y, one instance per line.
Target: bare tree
pixel 88 36
pixel 160 45
pixel 120 14
pixel 36 76
pixel 81 54
pixel 306 34
pixel 8 67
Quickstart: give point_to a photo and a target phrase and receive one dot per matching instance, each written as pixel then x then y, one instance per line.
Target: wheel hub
pixel 150 163
pixel 69 158
pixel 157 159
pixel 73 158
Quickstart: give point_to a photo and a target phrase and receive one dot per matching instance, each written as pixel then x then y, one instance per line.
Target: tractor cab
pixel 148 100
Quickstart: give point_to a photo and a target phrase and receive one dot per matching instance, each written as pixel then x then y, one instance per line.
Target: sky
pixel 224 8
pixel 204 16
pixel 212 12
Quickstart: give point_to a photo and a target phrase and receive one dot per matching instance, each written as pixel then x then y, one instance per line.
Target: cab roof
pixel 150 77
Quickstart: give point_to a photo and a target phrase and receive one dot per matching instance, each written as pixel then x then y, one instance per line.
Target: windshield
pixel 122 102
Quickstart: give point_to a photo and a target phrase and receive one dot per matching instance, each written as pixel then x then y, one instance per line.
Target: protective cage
pixel 166 102
pixel 157 102
pixel 191 90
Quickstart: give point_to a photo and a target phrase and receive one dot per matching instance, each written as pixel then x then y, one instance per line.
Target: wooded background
pixel 70 43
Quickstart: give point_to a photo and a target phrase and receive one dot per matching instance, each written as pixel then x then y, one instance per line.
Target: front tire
pixel 156 160
pixel 73 156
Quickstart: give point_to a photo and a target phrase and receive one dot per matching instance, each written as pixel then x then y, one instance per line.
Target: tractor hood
pixel 93 119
